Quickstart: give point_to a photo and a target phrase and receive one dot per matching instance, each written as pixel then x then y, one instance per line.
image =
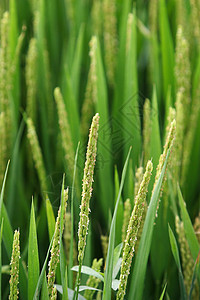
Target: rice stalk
pixel 146 130
pixel 14 272
pixel 37 155
pixel 110 38
pixel 67 239
pixel 190 135
pixel 168 146
pixel 178 145
pixel 197 227
pixel 97 16
pixel 133 226
pixel 87 193
pixel 55 250
pixel 126 218
pixel 138 179
pixel 54 294
pixel 31 79
pixel 195 19
pixel 187 259
pixel 5 83
pixel 183 72
pixel 87 108
pixel 65 132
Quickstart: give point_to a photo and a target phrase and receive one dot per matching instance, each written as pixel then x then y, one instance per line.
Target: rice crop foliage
pixel 99 149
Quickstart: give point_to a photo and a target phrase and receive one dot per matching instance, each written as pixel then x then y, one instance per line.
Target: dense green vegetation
pixel 125 74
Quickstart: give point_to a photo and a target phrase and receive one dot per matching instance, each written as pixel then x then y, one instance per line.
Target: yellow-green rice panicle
pixel 168 146
pixel 87 186
pixel 91 91
pixel 110 38
pixel 171 116
pixel 146 130
pixel 97 16
pixel 133 226
pixel 67 235
pixel 104 245
pixel 67 239
pixel 87 108
pixel 195 19
pixel 5 81
pixel 178 144
pixel 141 227
pixel 181 16
pixel 65 131
pixel 31 79
pixel 18 49
pixel 197 227
pixel 186 256
pixel 183 71
pixel 138 179
pixel 93 281
pixel 55 250
pixel 14 272
pixel 153 15
pixel 4 62
pixel 190 135
pixel 37 154
pixel 126 218
pixel 54 294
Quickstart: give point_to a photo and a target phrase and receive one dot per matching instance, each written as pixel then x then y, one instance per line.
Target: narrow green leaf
pixel 3 188
pixel 137 280
pixel 155 132
pixel 72 221
pixel 33 257
pixel 70 292
pixel 117 267
pixel 115 284
pixel 117 252
pixel 76 66
pixel 44 292
pixel 42 274
pixel 130 110
pixel 7 232
pixel 104 154
pixel 167 49
pixel 62 256
pixel 120 212
pixel 163 292
pixel 189 230
pixel 85 287
pixel 88 271
pixel 50 218
pixel 175 252
pixel 195 275
pixel 109 258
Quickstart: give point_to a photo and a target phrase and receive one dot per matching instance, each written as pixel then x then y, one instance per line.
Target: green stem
pixel 78 281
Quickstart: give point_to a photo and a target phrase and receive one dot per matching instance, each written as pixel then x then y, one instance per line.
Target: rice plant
pixel 99 149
